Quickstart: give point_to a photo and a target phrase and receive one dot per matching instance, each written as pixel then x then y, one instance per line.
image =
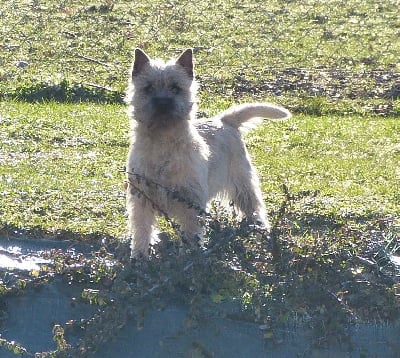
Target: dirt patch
pixel 328 82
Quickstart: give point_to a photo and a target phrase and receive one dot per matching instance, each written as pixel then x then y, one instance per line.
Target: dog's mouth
pixel 163 120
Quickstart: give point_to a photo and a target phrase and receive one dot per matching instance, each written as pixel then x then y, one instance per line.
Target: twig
pixel 172 194
pixel 90 59
pixel 368 263
pixel 138 191
pixel 373 266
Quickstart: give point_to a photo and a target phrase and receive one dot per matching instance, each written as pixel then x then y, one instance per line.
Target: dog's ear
pixel 141 60
pixel 186 61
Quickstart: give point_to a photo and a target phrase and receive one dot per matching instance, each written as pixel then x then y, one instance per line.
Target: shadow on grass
pixel 328 276
pixel 64 91
pixel 13 232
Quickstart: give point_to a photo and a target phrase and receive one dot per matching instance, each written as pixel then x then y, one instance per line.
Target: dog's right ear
pixel 186 61
pixel 141 60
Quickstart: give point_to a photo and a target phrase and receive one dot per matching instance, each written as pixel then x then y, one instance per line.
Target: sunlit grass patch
pixel 62 166
pixel 352 161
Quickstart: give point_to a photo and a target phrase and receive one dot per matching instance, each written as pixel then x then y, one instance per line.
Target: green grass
pixel 294 49
pixel 352 161
pixel 61 165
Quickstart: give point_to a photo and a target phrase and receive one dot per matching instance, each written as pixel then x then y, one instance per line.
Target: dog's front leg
pixel 188 219
pixel 140 223
pixel 192 230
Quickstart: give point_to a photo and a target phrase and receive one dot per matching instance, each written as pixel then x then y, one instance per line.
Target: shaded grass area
pixel 321 279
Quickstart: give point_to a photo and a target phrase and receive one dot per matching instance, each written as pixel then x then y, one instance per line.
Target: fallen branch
pixel 90 59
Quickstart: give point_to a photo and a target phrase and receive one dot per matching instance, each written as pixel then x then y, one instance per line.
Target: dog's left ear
pixel 141 60
pixel 186 61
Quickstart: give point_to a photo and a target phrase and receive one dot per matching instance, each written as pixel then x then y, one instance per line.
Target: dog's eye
pixel 149 88
pixel 174 88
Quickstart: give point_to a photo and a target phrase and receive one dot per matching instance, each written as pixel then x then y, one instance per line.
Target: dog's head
pixel 160 93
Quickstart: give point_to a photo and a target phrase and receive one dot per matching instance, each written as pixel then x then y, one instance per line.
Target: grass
pixel 308 153
pixel 62 165
pixel 64 139
pixel 74 47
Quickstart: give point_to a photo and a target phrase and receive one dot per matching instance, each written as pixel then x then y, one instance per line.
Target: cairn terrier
pixel 176 163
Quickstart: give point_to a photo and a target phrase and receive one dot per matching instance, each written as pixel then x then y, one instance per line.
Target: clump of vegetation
pixel 322 278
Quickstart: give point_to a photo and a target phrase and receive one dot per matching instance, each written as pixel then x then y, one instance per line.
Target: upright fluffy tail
pixel 248 115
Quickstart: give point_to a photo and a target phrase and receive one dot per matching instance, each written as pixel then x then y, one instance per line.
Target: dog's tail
pixel 248 115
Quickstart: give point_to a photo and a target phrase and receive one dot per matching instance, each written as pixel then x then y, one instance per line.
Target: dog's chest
pixel 166 167
pixel 173 163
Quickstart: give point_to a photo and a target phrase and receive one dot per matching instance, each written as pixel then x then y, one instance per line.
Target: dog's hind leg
pixel 247 197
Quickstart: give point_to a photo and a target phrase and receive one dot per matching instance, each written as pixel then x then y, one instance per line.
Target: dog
pixel 177 164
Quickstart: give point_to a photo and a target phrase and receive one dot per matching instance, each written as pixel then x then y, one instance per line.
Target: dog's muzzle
pixel 163 104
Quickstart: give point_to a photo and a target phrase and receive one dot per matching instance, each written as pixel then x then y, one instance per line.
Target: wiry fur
pixel 174 156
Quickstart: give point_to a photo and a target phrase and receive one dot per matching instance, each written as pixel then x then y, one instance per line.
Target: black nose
pixel 163 103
